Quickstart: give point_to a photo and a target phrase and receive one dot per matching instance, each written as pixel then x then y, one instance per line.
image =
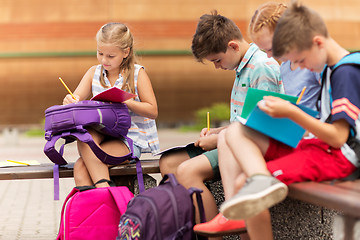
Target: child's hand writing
pixel 69 99
pixel 204 132
pixel 207 143
pixel 276 107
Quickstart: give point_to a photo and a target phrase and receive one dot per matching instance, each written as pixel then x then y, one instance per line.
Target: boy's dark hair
pixel 213 34
pixel 296 29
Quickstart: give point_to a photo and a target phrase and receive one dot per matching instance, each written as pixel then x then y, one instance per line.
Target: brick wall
pixel 44 28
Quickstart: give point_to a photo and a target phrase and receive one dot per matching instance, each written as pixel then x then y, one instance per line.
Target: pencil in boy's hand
pixel 67 88
pixel 301 95
pixel 208 121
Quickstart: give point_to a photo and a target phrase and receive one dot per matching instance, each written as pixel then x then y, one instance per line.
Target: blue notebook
pixel 281 129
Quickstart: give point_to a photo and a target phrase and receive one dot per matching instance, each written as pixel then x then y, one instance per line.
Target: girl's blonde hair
pixel 119 35
pixel 267 15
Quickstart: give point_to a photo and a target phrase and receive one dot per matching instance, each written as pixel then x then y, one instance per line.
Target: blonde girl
pixel 117 67
pixel 261 30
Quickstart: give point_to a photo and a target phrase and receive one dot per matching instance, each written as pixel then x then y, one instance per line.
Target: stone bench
pixel 124 175
pixel 326 210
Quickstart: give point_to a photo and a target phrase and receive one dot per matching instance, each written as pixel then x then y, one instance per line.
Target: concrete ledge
pixel 291 219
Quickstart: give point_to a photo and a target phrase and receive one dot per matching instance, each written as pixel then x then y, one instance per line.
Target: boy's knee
pixel 165 164
pixel 184 170
pixel 194 169
pixel 169 162
pixel 233 129
pixel 221 138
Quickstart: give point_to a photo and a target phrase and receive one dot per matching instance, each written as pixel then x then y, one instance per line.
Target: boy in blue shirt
pixel 219 40
pixel 269 166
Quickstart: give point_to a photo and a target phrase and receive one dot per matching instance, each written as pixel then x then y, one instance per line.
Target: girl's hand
pixel 276 107
pixel 69 99
pixel 129 102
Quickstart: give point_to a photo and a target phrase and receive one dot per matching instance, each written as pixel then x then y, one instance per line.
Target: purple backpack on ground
pixel 164 212
pixel 70 121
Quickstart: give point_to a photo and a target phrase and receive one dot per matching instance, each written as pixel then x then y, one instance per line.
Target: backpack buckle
pixel 80 129
pixel 48 135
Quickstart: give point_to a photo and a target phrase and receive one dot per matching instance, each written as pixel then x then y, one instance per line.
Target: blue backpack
pixel 354 60
pixel 165 212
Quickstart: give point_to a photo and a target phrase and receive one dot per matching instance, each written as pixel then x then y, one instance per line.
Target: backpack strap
pixel 50 151
pixel 200 204
pixel 199 201
pixel 57 157
pixel 121 196
pixel 352 59
pixel 192 190
pixel 109 159
pixel 56 182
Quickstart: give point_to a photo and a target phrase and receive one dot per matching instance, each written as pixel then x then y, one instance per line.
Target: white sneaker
pixel 260 192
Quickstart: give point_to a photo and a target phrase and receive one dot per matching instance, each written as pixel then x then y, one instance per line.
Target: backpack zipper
pixel 64 217
pixel 158 230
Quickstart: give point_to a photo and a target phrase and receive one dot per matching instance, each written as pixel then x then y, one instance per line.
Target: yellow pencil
pixel 67 88
pixel 18 162
pixel 301 95
pixel 208 121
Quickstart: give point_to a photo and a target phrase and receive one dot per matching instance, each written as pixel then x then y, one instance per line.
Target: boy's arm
pixel 335 134
pixel 208 139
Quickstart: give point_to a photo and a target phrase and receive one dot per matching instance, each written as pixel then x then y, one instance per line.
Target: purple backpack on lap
pixel 70 122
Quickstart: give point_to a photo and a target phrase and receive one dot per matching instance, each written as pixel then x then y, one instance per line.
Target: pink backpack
pixel 93 213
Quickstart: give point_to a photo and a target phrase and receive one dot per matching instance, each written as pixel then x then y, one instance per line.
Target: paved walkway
pixel 27 208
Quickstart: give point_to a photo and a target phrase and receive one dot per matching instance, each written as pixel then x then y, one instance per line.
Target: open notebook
pixel 113 94
pixel 281 129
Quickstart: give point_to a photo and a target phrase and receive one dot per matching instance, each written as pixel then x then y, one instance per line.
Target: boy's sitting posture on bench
pixel 219 40
pixel 269 166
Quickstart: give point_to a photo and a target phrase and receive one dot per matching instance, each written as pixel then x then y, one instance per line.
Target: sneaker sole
pixel 248 206
pixel 222 233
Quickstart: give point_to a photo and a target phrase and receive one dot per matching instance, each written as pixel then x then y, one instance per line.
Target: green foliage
pixel 36 131
pixel 219 112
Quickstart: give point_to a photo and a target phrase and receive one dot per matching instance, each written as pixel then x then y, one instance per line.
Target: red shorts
pixel 311 160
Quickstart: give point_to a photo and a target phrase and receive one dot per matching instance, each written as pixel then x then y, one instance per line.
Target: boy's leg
pixel 248 147
pixel 232 176
pixel 229 170
pixel 193 173
pixel 259 227
pixel 170 161
pixel 261 190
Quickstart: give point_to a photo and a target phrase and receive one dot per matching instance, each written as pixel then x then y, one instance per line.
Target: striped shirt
pixel 255 70
pixel 340 97
pixel 143 130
